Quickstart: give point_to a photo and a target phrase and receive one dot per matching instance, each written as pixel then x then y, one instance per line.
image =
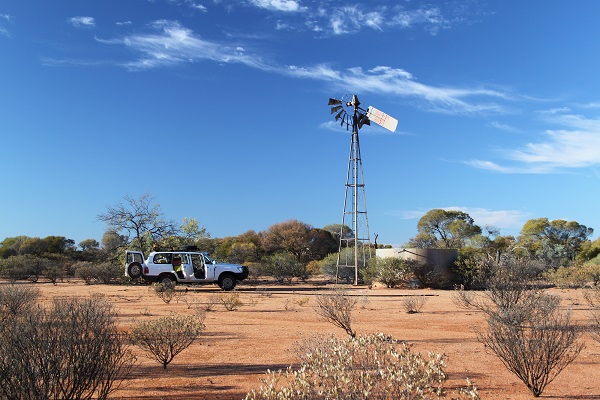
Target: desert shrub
pixel 16 299
pixel 427 274
pixel 283 266
pixel 474 270
pixel 413 304
pixel 68 350
pixel 312 268
pixel 84 270
pixel 166 337
pixel 22 267
pixel 329 266
pixel 231 301
pixel 54 273
pixel 575 276
pixel 533 338
pixel 104 273
pixel 538 348
pixel 592 296
pixel 210 302
pixel 255 271
pixel 109 273
pixel 336 307
pixel 366 367
pixel 391 271
pixel 164 292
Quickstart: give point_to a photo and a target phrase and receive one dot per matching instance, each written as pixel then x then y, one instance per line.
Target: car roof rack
pixel 189 248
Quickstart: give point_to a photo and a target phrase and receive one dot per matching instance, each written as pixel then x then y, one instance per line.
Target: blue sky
pixel 219 110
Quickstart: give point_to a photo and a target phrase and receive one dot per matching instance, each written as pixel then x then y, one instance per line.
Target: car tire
pixel 134 270
pixel 168 281
pixel 227 282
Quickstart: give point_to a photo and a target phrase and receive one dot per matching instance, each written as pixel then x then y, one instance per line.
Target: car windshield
pixel 207 259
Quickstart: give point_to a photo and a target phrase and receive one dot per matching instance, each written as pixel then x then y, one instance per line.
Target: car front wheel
pixel 227 282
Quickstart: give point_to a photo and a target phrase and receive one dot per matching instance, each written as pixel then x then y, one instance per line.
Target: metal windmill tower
pixel 348 110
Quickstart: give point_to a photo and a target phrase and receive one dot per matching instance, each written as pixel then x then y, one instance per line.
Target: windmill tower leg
pixel 357 209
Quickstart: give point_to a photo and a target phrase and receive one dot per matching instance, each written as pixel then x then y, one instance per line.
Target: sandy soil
pixel 237 347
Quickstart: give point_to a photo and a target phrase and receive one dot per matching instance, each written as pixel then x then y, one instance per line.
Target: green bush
pixel 391 271
pixel 105 273
pixel 23 267
pixel 329 266
pixel 283 266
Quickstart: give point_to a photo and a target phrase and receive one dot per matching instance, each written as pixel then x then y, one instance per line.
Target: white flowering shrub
pixel 364 367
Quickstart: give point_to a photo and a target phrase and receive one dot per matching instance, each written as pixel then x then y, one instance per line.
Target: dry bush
pixel 15 299
pixel 166 337
pixel 413 304
pixel 365 367
pixel 537 349
pixel 533 338
pixel 164 292
pixel 336 307
pixel 210 302
pixel 231 301
pixel 592 297
pixel 68 350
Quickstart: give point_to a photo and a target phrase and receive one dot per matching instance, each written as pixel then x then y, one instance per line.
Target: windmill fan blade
pixel 382 119
pixel 334 102
pixel 339 115
pixel 336 109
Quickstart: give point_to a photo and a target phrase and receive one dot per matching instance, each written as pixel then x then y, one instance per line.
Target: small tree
pixel 336 307
pixel 166 337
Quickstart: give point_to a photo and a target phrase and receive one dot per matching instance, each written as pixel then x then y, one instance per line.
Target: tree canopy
pixel 444 229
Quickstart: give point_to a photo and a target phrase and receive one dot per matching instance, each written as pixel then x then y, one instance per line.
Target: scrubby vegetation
pixel 70 349
pixel 370 367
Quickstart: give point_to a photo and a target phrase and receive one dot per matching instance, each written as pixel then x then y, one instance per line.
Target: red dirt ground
pixel 237 347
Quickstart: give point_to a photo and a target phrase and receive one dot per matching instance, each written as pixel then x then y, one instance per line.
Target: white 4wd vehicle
pixel 171 267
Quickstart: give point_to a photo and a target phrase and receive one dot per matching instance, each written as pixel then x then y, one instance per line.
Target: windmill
pixel 348 111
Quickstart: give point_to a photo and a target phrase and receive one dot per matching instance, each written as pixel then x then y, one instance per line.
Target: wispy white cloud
pixel 5 19
pixel 576 146
pixel 174 44
pixel 398 82
pixel 353 18
pixel 124 23
pixel 279 5
pixel 82 22
pixel 503 127
pixel 331 18
pixel 170 43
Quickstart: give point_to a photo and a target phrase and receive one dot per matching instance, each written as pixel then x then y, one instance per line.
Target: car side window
pixel 162 258
pixel 198 260
pixel 184 257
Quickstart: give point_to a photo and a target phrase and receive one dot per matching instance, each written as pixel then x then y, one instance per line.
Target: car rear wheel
pixel 168 281
pixel 227 282
pixel 134 270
